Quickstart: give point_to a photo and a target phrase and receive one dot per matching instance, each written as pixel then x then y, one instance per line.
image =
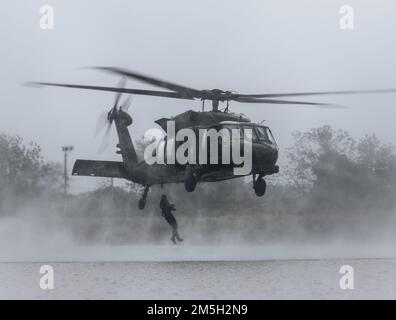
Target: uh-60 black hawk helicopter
pixel 264 147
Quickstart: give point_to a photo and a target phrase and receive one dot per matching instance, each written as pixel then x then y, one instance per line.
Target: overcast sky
pixel 251 46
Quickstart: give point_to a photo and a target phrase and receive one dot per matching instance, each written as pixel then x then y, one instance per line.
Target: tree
pixel 310 149
pixel 338 172
pixel 23 172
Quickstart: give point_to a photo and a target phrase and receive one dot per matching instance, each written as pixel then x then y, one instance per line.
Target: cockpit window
pixel 262 134
pixel 259 133
pixel 270 136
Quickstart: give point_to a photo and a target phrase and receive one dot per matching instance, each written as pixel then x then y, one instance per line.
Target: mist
pixel 333 198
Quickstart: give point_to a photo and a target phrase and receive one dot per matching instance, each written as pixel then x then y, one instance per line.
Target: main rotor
pixel 215 95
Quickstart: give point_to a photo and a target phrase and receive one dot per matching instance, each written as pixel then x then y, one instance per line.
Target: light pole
pixel 66 150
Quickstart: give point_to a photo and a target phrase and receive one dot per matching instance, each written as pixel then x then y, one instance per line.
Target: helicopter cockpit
pixel 264 134
pixel 260 133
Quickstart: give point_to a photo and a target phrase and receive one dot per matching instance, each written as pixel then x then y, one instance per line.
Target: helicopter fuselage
pixel 264 153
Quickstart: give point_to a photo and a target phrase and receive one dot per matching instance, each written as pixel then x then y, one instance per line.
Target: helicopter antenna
pixel 226 109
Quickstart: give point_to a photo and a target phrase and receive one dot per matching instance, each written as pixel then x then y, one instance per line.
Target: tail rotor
pixel 106 119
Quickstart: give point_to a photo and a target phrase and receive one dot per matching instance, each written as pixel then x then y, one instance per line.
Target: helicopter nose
pixel 275 154
pixel 272 156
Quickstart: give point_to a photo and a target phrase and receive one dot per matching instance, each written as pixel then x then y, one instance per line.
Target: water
pixel 169 272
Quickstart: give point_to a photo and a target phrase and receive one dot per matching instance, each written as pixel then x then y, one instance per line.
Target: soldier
pixel 167 209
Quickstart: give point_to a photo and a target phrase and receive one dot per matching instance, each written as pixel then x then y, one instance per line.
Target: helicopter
pixel 263 145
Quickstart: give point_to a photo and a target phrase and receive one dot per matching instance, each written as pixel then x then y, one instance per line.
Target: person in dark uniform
pixel 167 209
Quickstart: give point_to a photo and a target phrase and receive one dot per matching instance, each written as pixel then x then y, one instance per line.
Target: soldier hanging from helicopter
pixel 167 209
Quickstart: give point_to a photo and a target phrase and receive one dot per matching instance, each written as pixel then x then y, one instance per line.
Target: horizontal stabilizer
pixel 93 168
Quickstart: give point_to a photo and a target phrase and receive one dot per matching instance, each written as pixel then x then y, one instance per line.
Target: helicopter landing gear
pixel 142 201
pixel 259 185
pixel 191 178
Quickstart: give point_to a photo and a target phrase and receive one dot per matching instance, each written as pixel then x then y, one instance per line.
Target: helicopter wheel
pixel 191 181
pixel 260 186
pixel 142 200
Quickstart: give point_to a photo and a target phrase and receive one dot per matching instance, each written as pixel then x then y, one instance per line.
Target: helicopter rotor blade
pixel 297 94
pixel 182 90
pixel 127 103
pixel 105 139
pixel 165 94
pixel 101 123
pixel 272 101
pixel 121 84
